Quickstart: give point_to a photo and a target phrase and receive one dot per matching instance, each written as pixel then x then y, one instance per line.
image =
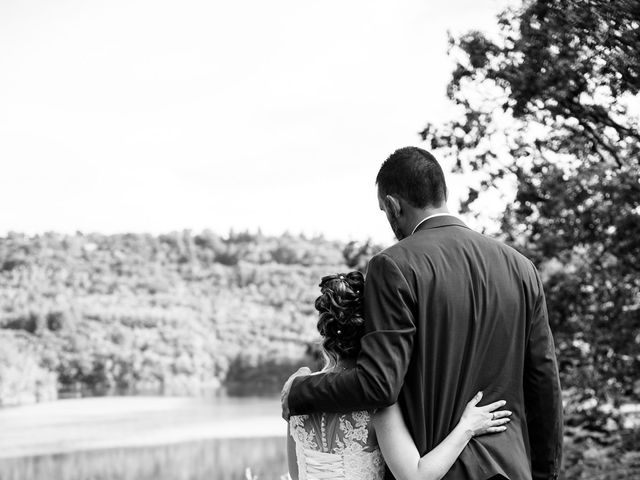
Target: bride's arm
pixel 402 456
pixel 291 455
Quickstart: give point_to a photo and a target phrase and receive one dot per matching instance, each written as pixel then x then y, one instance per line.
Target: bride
pixel 356 445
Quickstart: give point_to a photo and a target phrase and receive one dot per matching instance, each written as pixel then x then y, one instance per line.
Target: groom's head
pixel 411 186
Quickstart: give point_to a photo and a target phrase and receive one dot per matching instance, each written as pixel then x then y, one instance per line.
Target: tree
pixel 357 254
pixel 549 105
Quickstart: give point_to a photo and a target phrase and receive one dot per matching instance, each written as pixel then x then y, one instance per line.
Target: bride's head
pixel 341 321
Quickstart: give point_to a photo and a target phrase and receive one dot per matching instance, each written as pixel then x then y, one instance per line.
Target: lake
pixel 143 438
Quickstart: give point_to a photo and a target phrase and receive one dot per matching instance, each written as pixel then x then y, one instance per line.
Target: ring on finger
pixel 493 416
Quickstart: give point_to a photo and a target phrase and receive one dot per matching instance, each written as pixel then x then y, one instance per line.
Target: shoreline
pixel 97 423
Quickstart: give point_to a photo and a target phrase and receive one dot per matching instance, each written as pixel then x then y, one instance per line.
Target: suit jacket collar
pixel 440 221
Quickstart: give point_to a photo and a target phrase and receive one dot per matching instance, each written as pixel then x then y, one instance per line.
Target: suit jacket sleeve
pixel 542 393
pixel 385 350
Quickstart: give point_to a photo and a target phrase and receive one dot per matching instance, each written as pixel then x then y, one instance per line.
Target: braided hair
pixel 341 310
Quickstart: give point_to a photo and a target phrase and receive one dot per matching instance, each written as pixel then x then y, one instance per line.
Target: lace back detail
pixel 336 446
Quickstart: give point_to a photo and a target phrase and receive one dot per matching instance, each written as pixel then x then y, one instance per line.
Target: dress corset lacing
pixel 324 466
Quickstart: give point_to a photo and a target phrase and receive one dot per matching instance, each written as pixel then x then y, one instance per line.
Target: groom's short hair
pixel 415 175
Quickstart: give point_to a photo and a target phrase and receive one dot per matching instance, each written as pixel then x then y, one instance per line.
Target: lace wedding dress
pixel 336 446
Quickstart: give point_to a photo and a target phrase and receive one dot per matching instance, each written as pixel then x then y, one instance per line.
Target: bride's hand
pixel 486 419
pixel 284 395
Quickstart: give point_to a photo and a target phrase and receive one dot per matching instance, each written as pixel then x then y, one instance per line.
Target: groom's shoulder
pixel 501 253
pixel 405 250
pixel 488 242
pixel 389 263
pixel 396 252
pixel 400 255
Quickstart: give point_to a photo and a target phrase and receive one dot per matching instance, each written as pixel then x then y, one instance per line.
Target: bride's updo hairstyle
pixel 341 321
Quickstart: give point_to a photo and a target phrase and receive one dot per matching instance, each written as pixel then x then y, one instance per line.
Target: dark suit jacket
pixel 450 312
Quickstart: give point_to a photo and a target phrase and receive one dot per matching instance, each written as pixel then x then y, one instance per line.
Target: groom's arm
pixel 384 356
pixel 542 394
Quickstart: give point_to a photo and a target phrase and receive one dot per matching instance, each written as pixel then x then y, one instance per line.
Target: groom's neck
pixel 418 215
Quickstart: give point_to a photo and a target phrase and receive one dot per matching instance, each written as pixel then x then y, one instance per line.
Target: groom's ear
pixel 393 205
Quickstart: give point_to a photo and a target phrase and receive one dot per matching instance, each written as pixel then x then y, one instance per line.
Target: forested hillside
pixel 180 313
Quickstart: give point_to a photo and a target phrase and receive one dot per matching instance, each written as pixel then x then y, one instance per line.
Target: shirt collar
pixel 430 216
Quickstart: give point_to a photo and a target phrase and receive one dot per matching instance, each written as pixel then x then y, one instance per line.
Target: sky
pixel 158 115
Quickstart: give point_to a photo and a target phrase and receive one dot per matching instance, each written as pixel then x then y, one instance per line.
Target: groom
pixel 449 312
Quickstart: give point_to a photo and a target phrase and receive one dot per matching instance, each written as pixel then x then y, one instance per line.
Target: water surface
pixel 143 438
